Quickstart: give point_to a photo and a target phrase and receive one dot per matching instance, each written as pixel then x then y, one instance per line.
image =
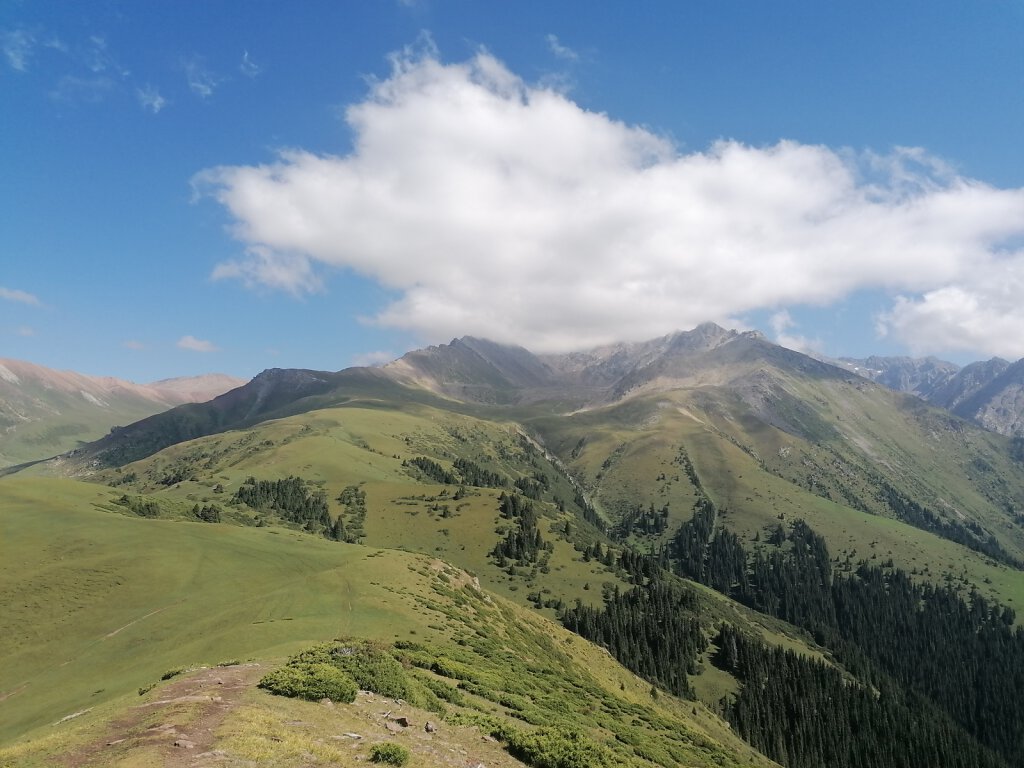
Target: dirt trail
pixel 178 729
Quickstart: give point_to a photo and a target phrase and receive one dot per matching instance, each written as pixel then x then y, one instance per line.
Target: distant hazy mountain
pixel 44 412
pixel 989 393
pixel 919 376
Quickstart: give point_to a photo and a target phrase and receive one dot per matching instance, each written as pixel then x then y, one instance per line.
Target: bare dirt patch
pixel 178 727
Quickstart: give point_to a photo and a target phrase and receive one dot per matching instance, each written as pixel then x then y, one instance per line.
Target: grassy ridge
pixel 100 603
pixel 96 604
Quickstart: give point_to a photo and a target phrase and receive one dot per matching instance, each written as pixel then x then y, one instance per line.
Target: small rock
pixel 327 702
pixel 115 741
pixel 184 744
pixel 430 727
pixel 218 681
pixel 403 721
pixel 352 735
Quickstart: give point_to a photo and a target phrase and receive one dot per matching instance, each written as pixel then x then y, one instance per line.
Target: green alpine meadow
pixel 701 550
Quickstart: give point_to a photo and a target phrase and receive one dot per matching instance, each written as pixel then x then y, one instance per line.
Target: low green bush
pixel 311 681
pixel 389 753
pixel 443 690
pixel 557 748
pixel 373 669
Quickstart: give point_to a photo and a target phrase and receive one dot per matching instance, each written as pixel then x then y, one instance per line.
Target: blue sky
pixel 229 186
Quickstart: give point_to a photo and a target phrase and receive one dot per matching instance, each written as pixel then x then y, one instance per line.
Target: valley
pixel 468 501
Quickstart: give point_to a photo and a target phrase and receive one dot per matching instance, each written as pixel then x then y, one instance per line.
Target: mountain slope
pixel 597 481
pixel 44 412
pixel 998 403
pixel 85 610
pixel 989 393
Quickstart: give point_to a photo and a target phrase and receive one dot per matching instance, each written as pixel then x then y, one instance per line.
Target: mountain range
pixel 44 412
pixel 989 393
pixel 774 548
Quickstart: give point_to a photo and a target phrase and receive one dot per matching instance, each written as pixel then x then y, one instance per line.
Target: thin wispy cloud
pixel 499 208
pixel 17 45
pixel 54 43
pixel 133 345
pixel 22 297
pixel 561 51
pixel 248 67
pixel 97 57
pixel 201 81
pixel 150 99
pixel 373 359
pixel 26 331
pixel 72 89
pixel 193 344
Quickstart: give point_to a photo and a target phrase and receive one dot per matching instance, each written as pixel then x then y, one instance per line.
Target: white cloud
pixel 500 209
pixel 22 297
pixel 26 330
pixel 134 345
pixel 370 359
pixel 248 67
pixel 196 345
pixel 983 314
pixel 559 50
pixel 17 45
pixel 201 81
pixel 289 272
pixel 782 323
pixel 150 99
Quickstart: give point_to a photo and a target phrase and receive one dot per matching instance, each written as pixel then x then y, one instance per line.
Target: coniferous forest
pixel 924 675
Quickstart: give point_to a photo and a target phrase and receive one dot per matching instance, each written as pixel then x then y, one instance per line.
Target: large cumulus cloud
pixel 493 207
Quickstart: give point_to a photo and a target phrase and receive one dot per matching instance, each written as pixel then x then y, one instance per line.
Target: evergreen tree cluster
pixel 532 487
pixel 805 714
pixel 432 470
pixel 523 542
pixel 466 473
pixel 588 511
pixel 140 506
pixel 477 476
pixel 177 475
pixel 644 522
pixel 290 500
pixel 964 657
pixel 208 513
pixel 651 629
pixel 970 534
pixel 353 499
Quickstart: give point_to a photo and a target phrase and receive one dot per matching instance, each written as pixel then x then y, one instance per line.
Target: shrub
pixel 557 748
pixel 389 753
pixel 373 668
pixel 444 691
pixel 310 681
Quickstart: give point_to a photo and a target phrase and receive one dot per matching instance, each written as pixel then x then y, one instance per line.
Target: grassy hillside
pixel 573 510
pixel 100 604
pixel 97 603
pixel 631 455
